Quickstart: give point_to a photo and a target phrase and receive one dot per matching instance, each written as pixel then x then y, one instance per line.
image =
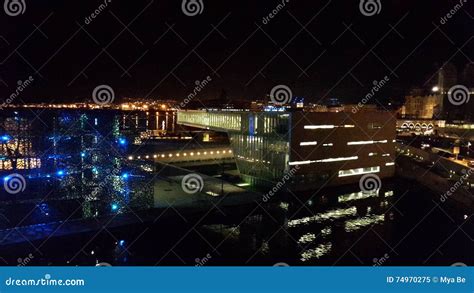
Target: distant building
pixel 316 148
pixel 422 107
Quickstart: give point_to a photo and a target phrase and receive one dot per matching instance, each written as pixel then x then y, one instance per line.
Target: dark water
pixel 399 225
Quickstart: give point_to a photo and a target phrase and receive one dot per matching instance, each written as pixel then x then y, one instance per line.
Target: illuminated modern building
pixel 75 157
pixel 320 149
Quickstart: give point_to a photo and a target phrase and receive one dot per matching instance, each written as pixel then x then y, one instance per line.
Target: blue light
pixel 122 141
pixel 83 155
pixel 60 173
pixel 6 137
pixel 125 175
pixel 122 242
pixel 114 207
pixel 6 178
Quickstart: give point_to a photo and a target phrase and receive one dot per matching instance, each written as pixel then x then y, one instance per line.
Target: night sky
pixel 163 52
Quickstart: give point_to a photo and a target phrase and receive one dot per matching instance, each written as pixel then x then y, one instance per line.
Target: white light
pixel 308 143
pixel 359 171
pixel 319 126
pixel 300 163
pixel 366 142
pixel 435 89
pixel 361 142
pixel 390 164
pixel 328 144
pixel 324 161
pixel 130 158
pixel 337 159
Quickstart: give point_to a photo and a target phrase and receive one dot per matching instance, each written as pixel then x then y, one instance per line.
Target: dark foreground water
pixel 399 225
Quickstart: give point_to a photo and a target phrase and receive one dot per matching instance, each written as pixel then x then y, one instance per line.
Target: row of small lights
pixel 178 154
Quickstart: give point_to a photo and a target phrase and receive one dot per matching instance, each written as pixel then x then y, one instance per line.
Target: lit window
pixel 300 163
pixel 358 171
pixel 319 126
pixel 307 143
pixel 328 144
pixel 366 142
pixel 390 164
pixel 324 161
